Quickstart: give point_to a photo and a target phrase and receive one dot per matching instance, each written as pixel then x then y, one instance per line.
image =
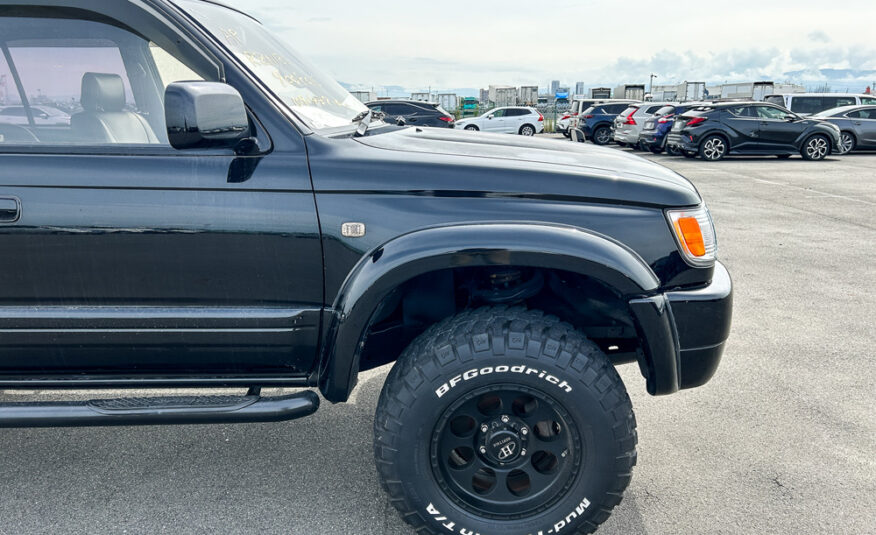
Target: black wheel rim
pixel 506 451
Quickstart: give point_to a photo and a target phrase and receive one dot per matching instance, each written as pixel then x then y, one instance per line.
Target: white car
pixel 42 116
pixel 509 120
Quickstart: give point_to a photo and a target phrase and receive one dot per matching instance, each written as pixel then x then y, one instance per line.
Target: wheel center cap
pixel 504 446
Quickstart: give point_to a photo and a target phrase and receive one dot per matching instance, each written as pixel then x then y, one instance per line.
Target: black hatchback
pixel 751 128
pixel 414 113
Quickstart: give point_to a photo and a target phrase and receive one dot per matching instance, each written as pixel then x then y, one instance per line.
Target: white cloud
pixel 473 44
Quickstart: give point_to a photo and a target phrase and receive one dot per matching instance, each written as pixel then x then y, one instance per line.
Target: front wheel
pixel 815 148
pixel 713 148
pixel 472 128
pixel 602 136
pixel 847 142
pixel 504 420
pixel 527 130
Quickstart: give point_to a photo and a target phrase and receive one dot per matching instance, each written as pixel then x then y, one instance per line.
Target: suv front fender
pixel 489 244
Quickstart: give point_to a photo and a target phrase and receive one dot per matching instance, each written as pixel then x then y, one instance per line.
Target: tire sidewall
pixel 597 450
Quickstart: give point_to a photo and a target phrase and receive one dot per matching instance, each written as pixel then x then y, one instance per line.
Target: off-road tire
pixel 496 343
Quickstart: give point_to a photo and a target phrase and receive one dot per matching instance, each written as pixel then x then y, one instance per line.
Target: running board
pixel 159 411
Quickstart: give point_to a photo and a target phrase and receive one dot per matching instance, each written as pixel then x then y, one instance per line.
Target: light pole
pixel 651 89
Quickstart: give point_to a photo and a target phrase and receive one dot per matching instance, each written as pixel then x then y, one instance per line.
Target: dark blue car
pixel 595 122
pixel 653 135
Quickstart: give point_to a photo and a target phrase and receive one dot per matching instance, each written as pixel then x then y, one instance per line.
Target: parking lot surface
pixel 781 441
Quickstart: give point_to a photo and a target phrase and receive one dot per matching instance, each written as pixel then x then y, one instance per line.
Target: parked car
pixel 254 225
pixel 857 126
pixel 595 122
pixel 629 123
pixel 657 128
pixel 414 113
pixel 567 122
pixel 759 128
pixel 508 120
pixel 809 103
pixel 42 116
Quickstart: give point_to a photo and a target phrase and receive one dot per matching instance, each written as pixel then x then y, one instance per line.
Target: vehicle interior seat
pixel 104 119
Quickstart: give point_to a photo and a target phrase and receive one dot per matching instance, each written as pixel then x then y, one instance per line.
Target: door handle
pixel 10 209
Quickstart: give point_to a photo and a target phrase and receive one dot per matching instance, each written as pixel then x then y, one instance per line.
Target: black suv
pixel 217 214
pixel 754 128
pixel 413 113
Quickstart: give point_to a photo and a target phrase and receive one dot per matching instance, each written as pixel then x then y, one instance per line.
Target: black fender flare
pixel 483 244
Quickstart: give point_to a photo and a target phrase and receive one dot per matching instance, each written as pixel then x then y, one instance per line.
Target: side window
pixel 868 114
pixel 499 113
pixel 653 109
pixel 84 82
pixel 836 102
pixel 742 111
pixel 169 68
pixel 868 100
pixel 853 114
pixel 377 107
pixel 806 105
pixel 766 112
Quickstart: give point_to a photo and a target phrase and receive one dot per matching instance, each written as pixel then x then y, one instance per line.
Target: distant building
pixel 579 88
pixel 555 86
pixel 484 97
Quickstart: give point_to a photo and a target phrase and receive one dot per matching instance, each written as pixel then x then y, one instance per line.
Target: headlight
pixel 695 234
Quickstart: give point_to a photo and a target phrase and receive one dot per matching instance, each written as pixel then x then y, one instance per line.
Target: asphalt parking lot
pixel 780 442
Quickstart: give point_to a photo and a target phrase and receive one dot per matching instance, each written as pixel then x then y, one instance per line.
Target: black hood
pixel 564 169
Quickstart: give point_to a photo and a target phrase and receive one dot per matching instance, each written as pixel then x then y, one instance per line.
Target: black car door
pixel 125 256
pixel 741 123
pixel 779 130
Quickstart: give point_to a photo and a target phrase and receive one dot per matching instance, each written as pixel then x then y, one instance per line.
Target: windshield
pixel 314 97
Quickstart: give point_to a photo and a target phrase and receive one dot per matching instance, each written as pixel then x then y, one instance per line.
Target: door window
pixel 836 102
pixel 806 105
pixel 767 112
pixel 85 82
pixel 499 113
pixel 743 111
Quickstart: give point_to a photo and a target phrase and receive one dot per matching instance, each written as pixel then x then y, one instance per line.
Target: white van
pixel 809 103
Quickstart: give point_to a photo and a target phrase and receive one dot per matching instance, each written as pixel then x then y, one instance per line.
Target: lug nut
pixel 505 419
pixel 484 428
pixel 483 449
pixel 523 452
pixel 524 431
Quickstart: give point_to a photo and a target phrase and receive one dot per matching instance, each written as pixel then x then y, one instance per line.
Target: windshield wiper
pixel 364 119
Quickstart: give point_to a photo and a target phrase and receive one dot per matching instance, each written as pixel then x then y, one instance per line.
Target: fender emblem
pixel 353 230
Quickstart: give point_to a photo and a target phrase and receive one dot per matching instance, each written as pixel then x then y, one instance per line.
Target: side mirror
pixel 204 115
pixel 790 118
pixel 490 117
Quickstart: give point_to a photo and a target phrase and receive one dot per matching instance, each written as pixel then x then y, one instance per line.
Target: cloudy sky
pixel 457 44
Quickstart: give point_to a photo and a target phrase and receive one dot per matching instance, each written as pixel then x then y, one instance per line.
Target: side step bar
pixel 160 411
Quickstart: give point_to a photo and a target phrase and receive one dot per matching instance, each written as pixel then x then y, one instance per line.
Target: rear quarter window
pixel 776 99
